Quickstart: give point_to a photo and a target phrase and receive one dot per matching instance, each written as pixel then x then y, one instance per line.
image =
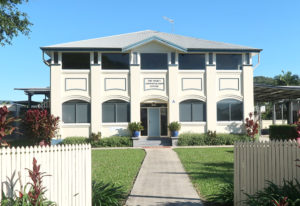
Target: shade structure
pixel 269 93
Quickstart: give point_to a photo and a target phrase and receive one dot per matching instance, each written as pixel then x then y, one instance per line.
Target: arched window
pixel 192 111
pixel 230 110
pixel 115 111
pixel 76 111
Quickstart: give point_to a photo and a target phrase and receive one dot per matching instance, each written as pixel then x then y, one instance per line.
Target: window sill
pixel 115 124
pixel 226 123
pixel 193 123
pixel 71 125
pixel 125 71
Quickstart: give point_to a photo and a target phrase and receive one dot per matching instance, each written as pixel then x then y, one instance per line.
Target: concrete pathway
pixel 162 181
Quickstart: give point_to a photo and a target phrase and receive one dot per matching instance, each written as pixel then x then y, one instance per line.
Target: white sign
pixel 154 84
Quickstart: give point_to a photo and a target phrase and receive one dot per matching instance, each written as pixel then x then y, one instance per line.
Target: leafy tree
pixel 12 21
pixel 264 80
pixel 287 79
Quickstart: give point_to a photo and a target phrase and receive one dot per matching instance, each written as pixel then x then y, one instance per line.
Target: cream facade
pixel 154 96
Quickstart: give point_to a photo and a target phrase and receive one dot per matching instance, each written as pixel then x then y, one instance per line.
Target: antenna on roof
pixel 170 21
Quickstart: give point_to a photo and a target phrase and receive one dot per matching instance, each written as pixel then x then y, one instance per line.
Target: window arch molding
pixel 230 110
pixel 192 110
pixel 115 111
pixel 76 111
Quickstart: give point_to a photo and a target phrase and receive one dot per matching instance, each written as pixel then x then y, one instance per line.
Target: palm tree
pixel 287 79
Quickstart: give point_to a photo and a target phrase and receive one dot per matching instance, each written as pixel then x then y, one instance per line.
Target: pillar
pixel 211 97
pixel 274 113
pixel 95 88
pixel 135 101
pixel 291 119
pixel 248 93
pixel 172 84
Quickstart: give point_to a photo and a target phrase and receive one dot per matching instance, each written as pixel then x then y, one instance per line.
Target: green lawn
pixel 208 167
pixel 119 166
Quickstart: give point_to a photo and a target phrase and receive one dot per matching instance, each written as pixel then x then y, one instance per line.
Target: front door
pixel 154 130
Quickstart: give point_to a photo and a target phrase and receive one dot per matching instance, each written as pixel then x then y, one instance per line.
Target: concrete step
pixel 152 142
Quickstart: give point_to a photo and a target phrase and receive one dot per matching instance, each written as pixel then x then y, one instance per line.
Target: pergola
pixel 35 91
pixel 276 94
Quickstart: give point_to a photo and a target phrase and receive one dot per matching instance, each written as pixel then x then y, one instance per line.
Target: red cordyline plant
pixel 251 126
pixel 36 194
pixel 6 127
pixel 40 126
pixel 281 202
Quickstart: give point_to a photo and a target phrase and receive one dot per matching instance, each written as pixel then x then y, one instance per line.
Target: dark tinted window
pixel 115 61
pixel 115 111
pixel 164 121
pixel 76 112
pixel 230 110
pixel 173 57
pixel 75 60
pixel 192 111
pixel 191 61
pixel 229 61
pixel 55 57
pixel 154 61
pixel 95 57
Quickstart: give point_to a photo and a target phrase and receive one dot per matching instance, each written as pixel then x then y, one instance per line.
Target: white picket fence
pixel 69 167
pixel 256 162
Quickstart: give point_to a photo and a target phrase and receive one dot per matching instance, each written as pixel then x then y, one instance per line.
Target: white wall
pixel 208 85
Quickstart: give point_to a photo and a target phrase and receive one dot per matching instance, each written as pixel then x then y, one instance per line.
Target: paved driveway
pixel 162 181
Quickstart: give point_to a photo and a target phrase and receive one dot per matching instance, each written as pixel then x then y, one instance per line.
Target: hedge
pixel 283 132
pixel 190 139
pixel 75 140
pixel 114 141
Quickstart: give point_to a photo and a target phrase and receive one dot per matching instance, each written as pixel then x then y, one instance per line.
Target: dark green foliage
pixel 224 197
pixel 273 192
pixel 264 80
pixel 135 126
pixel 106 194
pixel 174 126
pixel 75 140
pixel 287 79
pixel 12 21
pixel 283 132
pixel 190 139
pixel 113 142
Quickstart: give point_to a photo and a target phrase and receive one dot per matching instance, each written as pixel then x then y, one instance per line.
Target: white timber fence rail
pixel 258 162
pixel 69 167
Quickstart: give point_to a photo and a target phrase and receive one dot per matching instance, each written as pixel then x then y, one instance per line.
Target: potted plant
pixel 135 128
pixel 174 127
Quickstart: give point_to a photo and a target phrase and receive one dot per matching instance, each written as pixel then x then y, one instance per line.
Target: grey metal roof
pixel 122 41
pixel 45 91
pixel 268 93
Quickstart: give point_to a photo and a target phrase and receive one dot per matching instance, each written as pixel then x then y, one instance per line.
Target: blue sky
pixel 273 26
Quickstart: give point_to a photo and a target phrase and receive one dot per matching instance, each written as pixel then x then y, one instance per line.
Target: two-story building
pixel 99 85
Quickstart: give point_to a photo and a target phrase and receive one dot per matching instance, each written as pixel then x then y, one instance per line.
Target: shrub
pixel 40 126
pixel 115 141
pixel 135 126
pixel 251 126
pixel 174 126
pixel 283 132
pixel 106 194
pixel 6 127
pixel 75 140
pixel 225 196
pixel 95 137
pixel 210 138
pixel 288 193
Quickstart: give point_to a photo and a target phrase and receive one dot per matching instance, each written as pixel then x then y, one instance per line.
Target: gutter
pixel 45 62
